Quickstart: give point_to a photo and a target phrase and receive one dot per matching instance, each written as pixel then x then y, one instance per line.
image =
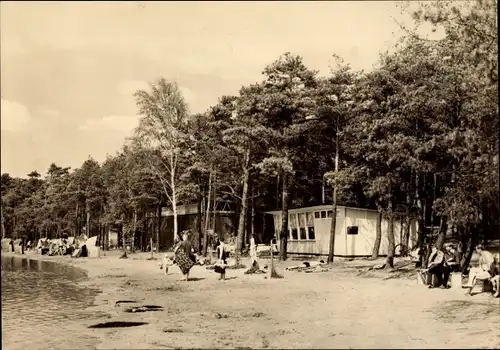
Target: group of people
pixel 442 263
pixel 185 257
pixel 487 269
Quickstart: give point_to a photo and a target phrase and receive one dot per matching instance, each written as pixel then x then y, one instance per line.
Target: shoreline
pixel 302 310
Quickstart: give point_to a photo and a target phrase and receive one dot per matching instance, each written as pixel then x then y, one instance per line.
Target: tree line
pixel 415 138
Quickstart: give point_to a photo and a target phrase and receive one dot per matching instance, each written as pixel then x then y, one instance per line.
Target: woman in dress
pixel 184 257
pixel 220 266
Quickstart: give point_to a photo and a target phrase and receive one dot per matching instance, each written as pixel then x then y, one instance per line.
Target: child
pixel 166 263
pixel 221 265
pixel 495 273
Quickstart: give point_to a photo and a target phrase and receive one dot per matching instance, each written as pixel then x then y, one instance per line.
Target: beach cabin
pixel 224 220
pixel 309 231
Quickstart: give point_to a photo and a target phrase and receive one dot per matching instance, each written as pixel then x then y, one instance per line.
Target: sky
pixel 69 69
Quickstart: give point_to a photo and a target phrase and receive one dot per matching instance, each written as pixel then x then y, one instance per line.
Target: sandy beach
pixel 346 307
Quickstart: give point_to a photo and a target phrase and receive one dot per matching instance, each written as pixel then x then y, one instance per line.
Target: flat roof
pixel 318 208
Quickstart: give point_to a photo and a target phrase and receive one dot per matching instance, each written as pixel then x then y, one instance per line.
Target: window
pixel 330 213
pixel 316 214
pixel 293 221
pixel 303 234
pixel 310 220
pixel 302 220
pixel 294 233
pixel 323 214
pixel 311 233
pixel 352 230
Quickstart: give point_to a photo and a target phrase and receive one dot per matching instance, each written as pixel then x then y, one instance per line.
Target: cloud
pixel 129 87
pixel 188 94
pixel 122 124
pixel 15 116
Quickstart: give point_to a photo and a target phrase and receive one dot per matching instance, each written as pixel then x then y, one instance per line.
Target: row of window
pixel 302 233
pixel 301 225
pixel 308 234
pixel 323 214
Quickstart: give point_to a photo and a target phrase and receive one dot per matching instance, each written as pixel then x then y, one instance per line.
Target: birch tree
pixel 163 112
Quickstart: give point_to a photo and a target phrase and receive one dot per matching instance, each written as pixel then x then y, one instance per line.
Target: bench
pixel 486 286
pixel 426 278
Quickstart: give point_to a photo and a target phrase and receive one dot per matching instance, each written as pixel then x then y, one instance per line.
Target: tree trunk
pixel 106 237
pixel 333 227
pixel 134 228
pixel 3 223
pixel 199 225
pixel 421 219
pixel 390 239
pixel 464 264
pixel 443 227
pixel 485 223
pixel 284 219
pixel 405 243
pixel 174 203
pixel 253 215
pixel 243 212
pixel 207 215
pixel 76 220
pixel 391 246
pixel 124 244
pixel 278 192
pixel 158 227
pixel 378 237
pixel 214 207
pixel 87 221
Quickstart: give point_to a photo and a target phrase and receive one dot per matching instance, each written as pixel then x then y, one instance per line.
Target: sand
pixel 342 308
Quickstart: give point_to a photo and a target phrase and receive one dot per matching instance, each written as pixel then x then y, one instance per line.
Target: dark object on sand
pixel 118 302
pixel 85 252
pixel 219 269
pixel 254 269
pixel 144 308
pixel 117 324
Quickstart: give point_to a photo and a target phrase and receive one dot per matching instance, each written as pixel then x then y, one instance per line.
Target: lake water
pixel 43 307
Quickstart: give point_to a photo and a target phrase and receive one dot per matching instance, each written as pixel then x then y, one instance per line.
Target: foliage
pixel 417 135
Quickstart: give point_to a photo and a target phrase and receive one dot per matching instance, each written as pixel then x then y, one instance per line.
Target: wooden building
pixel 309 231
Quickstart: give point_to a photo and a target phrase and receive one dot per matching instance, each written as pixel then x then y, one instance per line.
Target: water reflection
pixel 40 298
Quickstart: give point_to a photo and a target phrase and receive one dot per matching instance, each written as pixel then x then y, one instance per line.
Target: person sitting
pixel 482 271
pixel 452 258
pixel 438 267
pixel 495 272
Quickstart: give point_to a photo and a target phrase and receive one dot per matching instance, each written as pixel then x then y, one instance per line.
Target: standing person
pixel 220 266
pixel 184 257
pixel 253 250
pixel 483 270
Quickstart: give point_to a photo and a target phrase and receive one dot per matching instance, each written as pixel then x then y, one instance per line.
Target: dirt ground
pixel 347 307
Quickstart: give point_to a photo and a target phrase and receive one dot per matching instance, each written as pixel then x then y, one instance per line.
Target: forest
pixel 416 137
